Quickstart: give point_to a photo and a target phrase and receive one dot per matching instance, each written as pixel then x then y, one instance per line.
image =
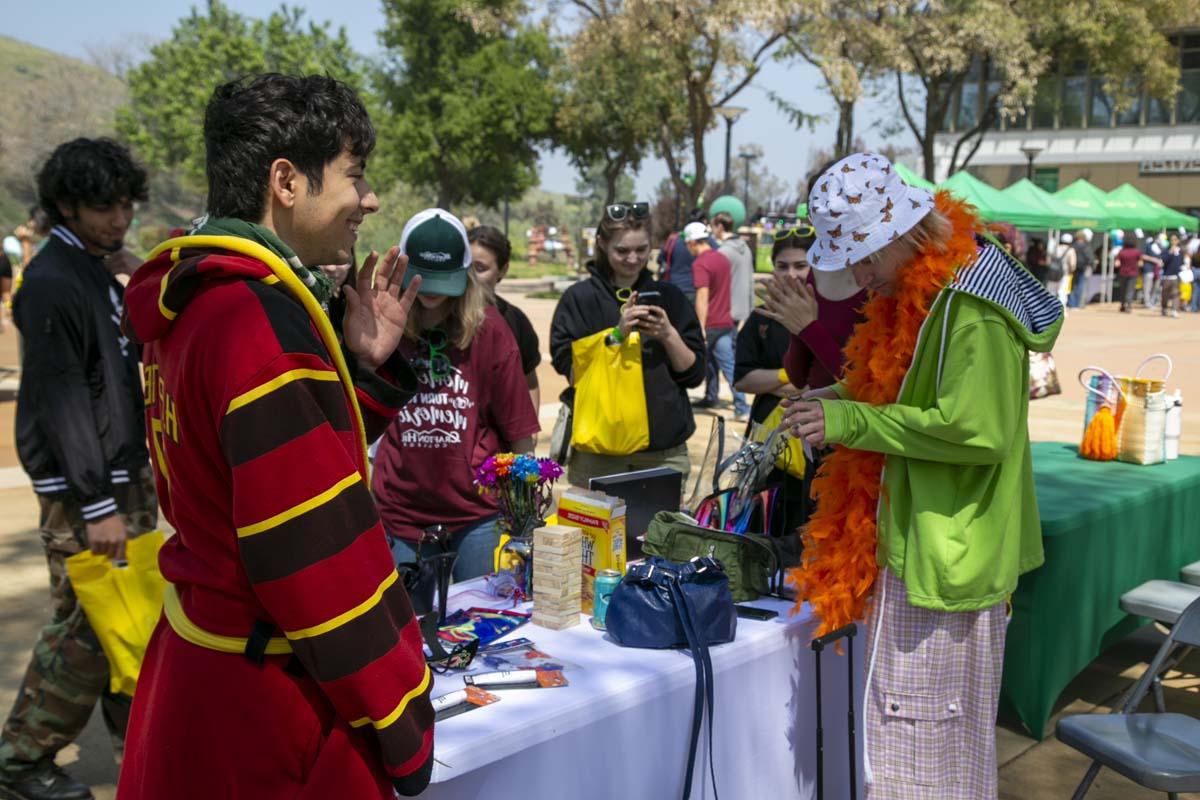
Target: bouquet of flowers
pixel 521 486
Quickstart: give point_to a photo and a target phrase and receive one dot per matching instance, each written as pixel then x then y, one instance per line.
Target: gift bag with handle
pixel 1143 429
pixel 1102 415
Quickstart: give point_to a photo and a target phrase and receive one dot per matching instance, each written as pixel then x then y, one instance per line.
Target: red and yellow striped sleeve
pixel 316 556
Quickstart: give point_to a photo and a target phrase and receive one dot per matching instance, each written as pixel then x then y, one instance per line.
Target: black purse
pixel 661 604
pixel 429 574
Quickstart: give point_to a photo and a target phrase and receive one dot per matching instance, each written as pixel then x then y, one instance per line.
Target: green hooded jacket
pixel 958 517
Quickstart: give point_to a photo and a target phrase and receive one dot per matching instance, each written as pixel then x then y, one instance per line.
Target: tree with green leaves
pixel 697 55
pixel 468 97
pixel 164 119
pixel 841 38
pixel 605 125
pixel 1013 43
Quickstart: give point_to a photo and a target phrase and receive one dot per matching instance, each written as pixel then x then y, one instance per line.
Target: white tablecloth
pixel 620 729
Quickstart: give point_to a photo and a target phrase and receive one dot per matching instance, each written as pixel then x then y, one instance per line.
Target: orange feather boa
pixel 838 568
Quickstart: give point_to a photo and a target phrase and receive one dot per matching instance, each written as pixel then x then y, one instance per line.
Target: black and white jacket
pixel 591 306
pixel 80 423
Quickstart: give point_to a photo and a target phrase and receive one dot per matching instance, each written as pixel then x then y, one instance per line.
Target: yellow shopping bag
pixel 610 398
pixel 790 455
pixel 122 603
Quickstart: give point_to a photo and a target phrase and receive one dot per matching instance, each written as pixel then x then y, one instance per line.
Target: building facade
pixel 1074 130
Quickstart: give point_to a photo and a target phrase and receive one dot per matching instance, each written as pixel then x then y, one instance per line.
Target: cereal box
pixel 601 517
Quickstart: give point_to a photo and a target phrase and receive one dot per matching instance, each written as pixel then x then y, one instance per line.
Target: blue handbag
pixel 661 604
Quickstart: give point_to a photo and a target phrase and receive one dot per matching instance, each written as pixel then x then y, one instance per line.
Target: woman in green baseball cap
pixel 472 403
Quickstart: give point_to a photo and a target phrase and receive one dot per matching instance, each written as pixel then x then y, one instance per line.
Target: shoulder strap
pixel 704 685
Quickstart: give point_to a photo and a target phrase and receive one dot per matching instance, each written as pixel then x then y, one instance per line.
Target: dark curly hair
pixel 251 122
pixel 88 172
pixel 495 240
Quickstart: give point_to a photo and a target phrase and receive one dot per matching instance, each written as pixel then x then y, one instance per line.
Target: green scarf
pixel 317 281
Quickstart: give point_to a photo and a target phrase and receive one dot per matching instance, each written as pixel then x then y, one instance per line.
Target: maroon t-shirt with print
pixel 425 464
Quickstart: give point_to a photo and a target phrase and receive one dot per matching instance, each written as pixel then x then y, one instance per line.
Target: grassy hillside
pixel 48 98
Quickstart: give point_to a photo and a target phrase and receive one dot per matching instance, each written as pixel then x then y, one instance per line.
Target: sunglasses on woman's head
pixel 800 231
pixel 617 212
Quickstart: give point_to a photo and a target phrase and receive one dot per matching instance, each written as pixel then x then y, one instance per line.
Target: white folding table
pixel 621 728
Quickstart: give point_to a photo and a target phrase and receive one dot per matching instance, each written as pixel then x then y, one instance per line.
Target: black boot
pixel 48 782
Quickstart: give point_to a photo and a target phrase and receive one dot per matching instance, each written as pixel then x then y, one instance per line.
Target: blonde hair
pixel 467 313
pixel 931 233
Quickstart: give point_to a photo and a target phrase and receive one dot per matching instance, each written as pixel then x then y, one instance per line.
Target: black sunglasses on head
pixel 619 211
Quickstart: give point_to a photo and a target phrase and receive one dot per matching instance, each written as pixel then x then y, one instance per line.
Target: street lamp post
pixel 731 114
pixel 1030 153
pixel 747 157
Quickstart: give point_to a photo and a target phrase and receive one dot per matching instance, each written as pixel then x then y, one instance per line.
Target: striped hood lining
pixel 1001 280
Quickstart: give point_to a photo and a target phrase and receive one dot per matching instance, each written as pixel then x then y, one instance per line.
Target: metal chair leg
pixel 1159 704
pixel 1086 783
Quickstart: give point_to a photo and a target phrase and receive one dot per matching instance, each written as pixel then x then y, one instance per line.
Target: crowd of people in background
pixel 1150 269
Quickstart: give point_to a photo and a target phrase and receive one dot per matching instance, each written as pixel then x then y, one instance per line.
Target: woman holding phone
pixel 621 296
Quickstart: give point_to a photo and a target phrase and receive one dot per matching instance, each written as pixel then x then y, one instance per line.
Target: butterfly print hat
pixel 857 207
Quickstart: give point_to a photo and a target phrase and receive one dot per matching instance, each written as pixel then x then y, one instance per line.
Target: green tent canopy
pixel 1087 201
pixel 912 178
pixel 1158 215
pixel 1032 207
pixel 966 186
pixel 1129 210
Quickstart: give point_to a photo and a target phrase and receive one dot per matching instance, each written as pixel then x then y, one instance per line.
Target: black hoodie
pixel 591 306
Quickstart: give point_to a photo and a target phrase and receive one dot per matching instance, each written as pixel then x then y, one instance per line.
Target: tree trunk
pixel 845 132
pixel 445 194
pixel 612 174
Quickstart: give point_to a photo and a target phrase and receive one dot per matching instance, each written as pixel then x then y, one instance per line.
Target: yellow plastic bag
pixel 610 398
pixel 122 604
pixel 790 457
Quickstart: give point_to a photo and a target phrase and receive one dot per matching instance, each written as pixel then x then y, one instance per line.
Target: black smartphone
pixel 750 612
pixel 650 298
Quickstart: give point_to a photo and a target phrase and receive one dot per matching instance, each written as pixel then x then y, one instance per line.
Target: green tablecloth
pixel 1106 527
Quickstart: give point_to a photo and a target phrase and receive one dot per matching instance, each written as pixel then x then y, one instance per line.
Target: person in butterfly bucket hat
pixel 928 499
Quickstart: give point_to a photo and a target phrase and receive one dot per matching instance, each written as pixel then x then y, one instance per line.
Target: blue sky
pixel 70 26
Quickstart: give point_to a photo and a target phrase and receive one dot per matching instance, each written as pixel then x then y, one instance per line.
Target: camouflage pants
pixel 68 671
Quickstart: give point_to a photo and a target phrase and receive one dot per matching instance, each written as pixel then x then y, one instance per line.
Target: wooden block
pixel 553 622
pixel 570 552
pixel 554 597
pixel 556 572
pixel 558 530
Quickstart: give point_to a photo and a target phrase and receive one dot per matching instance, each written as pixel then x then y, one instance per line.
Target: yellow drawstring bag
pixel 610 398
pixel 122 603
